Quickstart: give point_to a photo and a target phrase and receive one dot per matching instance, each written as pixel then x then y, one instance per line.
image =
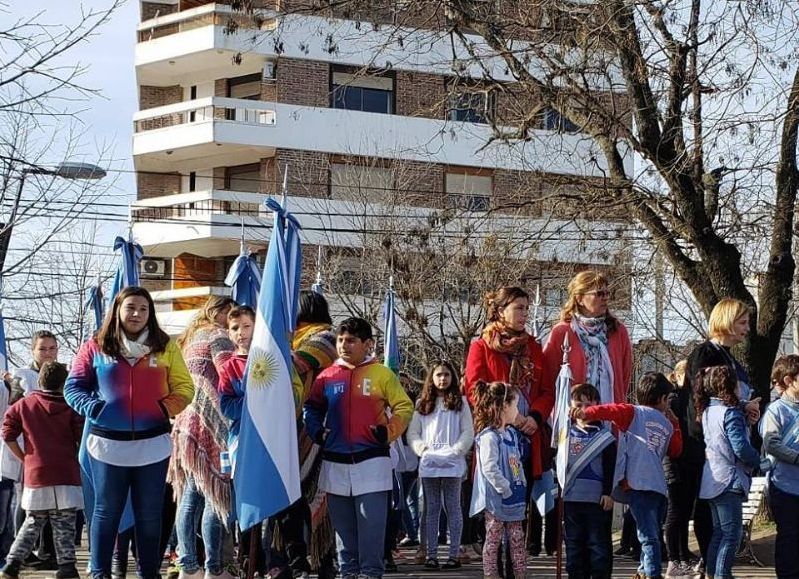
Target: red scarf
pixel 515 345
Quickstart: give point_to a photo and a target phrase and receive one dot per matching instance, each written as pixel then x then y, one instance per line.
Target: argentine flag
pixel 3 351
pixel 266 470
pixel 391 353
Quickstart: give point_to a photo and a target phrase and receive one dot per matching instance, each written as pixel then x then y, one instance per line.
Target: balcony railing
pixel 241 111
pixel 200 206
pixel 211 14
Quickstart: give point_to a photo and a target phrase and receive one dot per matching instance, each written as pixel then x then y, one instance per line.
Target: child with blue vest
pixel 648 432
pixel 587 505
pixel 781 441
pixel 726 476
pixel 499 483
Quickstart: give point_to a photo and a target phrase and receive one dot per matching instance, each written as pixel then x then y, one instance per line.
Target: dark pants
pixel 291 523
pixel 785 508
pixel 588 541
pixel 6 517
pixel 629 536
pixel 146 487
pixel 539 528
pixel 681 501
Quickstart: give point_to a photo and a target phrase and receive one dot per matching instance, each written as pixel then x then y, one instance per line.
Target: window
pixel 243 178
pixel 553 121
pixel 468 191
pixel 370 94
pixel 472 107
pixel 245 87
pixel 353 182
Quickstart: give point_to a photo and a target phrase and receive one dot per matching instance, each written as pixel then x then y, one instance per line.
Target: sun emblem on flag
pixel 263 369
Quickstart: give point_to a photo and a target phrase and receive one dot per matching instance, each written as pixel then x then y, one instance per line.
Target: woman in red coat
pixel 505 352
pixel 600 349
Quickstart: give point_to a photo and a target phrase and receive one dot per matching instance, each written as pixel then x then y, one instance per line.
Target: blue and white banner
pixel 266 473
pixel 128 271
pixel 391 352
pixel 244 279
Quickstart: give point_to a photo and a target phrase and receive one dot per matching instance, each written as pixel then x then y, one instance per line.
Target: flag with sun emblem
pixel 265 459
pixel 561 423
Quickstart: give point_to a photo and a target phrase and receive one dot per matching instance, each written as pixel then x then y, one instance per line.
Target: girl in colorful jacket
pixel 128 382
pixel 441 433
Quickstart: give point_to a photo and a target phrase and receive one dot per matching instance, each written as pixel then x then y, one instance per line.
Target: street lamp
pixel 66 170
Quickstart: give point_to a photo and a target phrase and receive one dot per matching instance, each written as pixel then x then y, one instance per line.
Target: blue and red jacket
pixel 128 402
pixel 347 401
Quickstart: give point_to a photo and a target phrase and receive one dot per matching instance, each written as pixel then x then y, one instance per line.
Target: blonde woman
pixel 601 352
pixel 728 326
pixel 199 436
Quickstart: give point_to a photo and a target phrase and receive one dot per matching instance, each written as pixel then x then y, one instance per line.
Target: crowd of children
pixel 473 463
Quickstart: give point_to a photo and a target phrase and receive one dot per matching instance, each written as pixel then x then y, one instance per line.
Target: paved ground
pixel 540 567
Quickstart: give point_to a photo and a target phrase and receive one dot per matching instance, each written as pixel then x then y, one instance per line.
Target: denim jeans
pixel 785 508
pixel 588 540
pixel 112 485
pixel 649 511
pixel 193 507
pixel 410 510
pixel 6 517
pixel 360 526
pixel 727 512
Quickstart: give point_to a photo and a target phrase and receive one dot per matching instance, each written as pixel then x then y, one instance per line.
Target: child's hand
pixel 606 503
pixel 576 413
pixel 752 410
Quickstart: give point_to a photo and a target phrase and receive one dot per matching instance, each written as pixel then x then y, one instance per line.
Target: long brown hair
pixel 453 400
pixel 490 399
pixel 205 318
pixel 715 382
pixel 110 333
pixel 504 296
pixel 581 284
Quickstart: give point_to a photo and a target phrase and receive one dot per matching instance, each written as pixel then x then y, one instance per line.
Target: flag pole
pixel 559 535
pixel 536 305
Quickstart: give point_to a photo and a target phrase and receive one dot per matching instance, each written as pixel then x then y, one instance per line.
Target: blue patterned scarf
pixel 593 335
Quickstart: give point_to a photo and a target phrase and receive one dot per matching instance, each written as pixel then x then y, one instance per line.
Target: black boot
pixel 119 568
pixel 11 570
pixel 67 571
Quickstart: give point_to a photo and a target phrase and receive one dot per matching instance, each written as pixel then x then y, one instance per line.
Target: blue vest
pixel 722 470
pixel 641 452
pixel 785 476
pixel 587 485
pixel 485 496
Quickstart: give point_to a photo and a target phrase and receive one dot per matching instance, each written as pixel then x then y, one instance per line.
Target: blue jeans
pixel 6 517
pixel 410 510
pixel 111 487
pixel 192 505
pixel 785 508
pixel 588 540
pixel 727 512
pixel 649 511
pixel 360 526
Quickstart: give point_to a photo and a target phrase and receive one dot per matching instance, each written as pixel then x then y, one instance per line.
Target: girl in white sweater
pixel 441 433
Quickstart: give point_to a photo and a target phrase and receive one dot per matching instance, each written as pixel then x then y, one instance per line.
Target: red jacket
pixel 52 432
pixel 483 363
pixel 620 351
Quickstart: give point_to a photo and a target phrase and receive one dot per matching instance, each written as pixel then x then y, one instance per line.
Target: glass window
pixel 553 121
pixel 372 94
pixel 470 107
pixel 468 191
pixel 243 178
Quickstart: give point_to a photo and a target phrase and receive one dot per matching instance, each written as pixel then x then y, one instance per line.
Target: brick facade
pixel 309 173
pixel 151 185
pixel 420 95
pixel 159 96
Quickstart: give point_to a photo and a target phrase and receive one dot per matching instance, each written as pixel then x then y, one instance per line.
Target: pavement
pixel 543 567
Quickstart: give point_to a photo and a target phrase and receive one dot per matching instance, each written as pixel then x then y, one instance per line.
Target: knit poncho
pixel 200 432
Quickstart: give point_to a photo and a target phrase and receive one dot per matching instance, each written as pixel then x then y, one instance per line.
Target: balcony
pixel 196 132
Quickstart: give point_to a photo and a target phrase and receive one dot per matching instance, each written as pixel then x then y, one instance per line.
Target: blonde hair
pixel 677 375
pixel 724 315
pixel 581 284
pixel 205 317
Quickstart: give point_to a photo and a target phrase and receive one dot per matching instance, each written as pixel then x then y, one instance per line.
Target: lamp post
pixel 66 170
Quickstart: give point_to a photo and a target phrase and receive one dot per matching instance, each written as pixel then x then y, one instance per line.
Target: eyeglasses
pixel 599 293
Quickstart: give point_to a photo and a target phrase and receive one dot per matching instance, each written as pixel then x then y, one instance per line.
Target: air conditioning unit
pixel 269 71
pixel 152 268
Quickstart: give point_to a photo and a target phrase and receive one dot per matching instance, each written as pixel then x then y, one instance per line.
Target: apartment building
pixel 375 134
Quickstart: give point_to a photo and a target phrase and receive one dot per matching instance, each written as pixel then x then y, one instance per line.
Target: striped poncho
pixel 200 432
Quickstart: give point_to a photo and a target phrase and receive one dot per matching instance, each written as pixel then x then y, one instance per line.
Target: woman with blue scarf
pixel 600 350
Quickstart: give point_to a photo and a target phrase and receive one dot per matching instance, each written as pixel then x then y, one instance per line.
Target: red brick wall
pixel 309 173
pixel 158 96
pixel 422 184
pixel 303 82
pixel 157 184
pixel 420 95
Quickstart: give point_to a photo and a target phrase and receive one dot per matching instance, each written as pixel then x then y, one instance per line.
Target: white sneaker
pixel 675 569
pixel 223 575
pixel 198 574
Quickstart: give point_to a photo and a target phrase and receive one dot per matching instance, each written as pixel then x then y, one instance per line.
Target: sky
pixel 108 56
